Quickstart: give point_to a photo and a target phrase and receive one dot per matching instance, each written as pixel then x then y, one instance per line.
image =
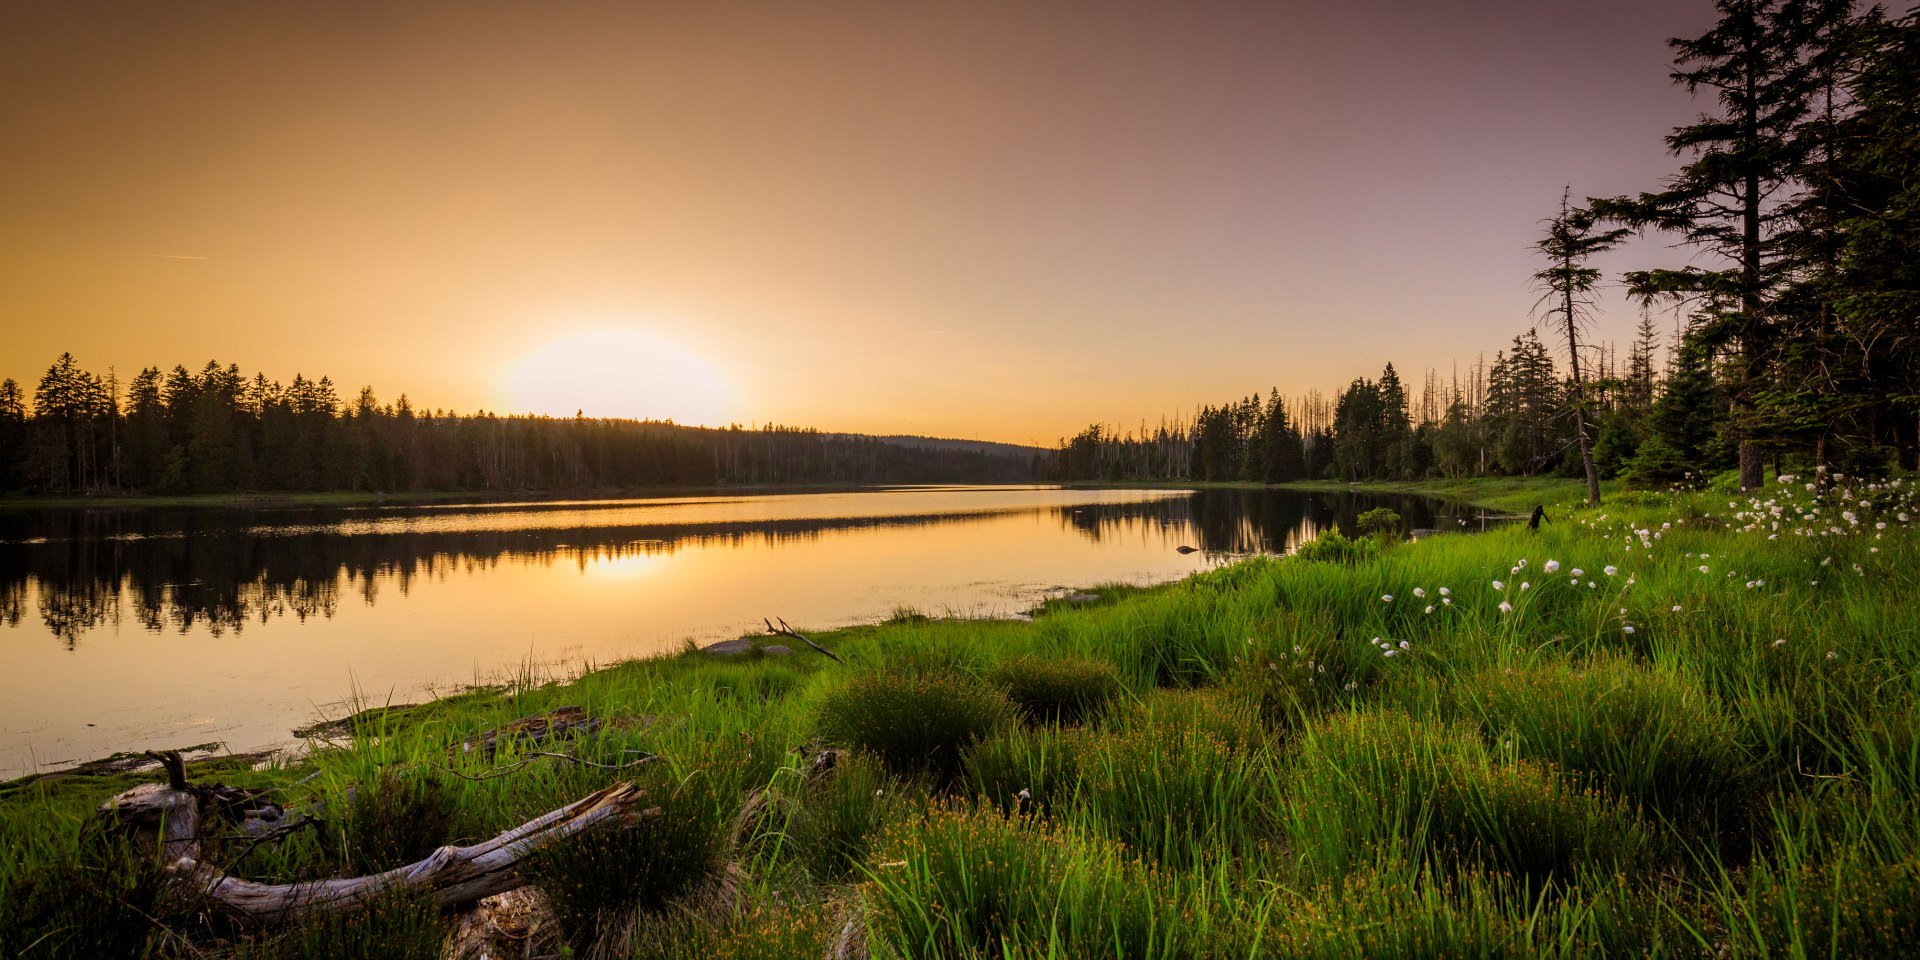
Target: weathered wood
pixel 165 819
pixel 785 631
pixel 507 925
pixel 454 877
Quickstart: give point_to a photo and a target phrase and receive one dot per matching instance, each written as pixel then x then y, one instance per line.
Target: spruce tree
pixel 1725 198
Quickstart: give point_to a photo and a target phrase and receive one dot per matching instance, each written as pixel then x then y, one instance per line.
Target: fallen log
pixel 455 877
pixel 165 819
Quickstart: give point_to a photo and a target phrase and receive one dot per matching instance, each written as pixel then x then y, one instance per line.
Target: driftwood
pixel 786 631
pixel 165 820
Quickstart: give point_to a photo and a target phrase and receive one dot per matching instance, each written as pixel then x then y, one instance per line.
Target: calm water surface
pixel 130 629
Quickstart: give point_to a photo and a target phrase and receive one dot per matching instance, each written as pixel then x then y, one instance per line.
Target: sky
pixel 1000 221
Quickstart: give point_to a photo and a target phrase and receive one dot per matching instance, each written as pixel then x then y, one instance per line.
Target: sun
pixel 619 372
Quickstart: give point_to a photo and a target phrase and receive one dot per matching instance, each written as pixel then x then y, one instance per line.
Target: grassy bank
pixel 1675 725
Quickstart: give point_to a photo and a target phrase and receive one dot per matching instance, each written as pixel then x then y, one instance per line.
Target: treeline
pixel 1800 339
pixel 220 431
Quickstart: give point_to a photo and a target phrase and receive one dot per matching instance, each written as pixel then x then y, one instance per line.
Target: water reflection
pixel 126 628
pixel 220 570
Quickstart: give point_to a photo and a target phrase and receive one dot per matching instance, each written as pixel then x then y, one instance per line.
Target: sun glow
pixel 619 373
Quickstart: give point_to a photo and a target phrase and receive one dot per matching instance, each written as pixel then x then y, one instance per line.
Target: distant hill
pixel 987 447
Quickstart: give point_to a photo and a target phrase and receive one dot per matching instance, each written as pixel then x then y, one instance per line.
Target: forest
pixel 220 431
pixel 1797 342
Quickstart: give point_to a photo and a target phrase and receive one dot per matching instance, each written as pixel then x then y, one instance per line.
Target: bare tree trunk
pixel 1580 403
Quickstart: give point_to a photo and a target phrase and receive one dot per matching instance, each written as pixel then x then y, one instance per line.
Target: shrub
pixel 1065 690
pixel 1331 547
pixel 918 722
pixel 1378 522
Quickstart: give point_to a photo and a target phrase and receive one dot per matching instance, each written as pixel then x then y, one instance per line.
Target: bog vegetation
pixel 1678 725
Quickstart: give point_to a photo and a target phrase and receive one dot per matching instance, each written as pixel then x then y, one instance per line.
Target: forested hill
pixel 220 431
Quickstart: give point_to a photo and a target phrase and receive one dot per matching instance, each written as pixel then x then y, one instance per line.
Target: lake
pixel 149 628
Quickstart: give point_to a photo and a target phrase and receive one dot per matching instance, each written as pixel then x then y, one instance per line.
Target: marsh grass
pixel 101 900
pixel 1572 743
pixel 1367 780
pixel 393 819
pixel 918 722
pixel 973 882
pixel 393 927
pixel 1650 734
pixel 1064 690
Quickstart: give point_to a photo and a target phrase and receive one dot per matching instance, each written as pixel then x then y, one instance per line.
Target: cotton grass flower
pixel 1609 569
pixel 1552 566
pixel 1386 598
pixel 1506 607
pixel 1497 585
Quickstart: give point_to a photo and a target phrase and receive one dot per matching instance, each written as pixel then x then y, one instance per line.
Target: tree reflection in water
pixel 175 569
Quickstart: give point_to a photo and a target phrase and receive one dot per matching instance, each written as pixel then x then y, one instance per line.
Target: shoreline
pixel 293 750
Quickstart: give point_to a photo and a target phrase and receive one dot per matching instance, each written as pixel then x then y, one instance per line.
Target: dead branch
pixel 785 631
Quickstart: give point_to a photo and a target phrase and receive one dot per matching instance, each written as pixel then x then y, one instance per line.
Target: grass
pixel 1676 725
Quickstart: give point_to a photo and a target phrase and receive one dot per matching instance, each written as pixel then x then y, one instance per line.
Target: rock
pixel 1080 598
pixel 777 650
pixel 729 648
pixel 1184 549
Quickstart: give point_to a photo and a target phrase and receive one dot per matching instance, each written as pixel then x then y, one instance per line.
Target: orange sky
pixel 981 220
